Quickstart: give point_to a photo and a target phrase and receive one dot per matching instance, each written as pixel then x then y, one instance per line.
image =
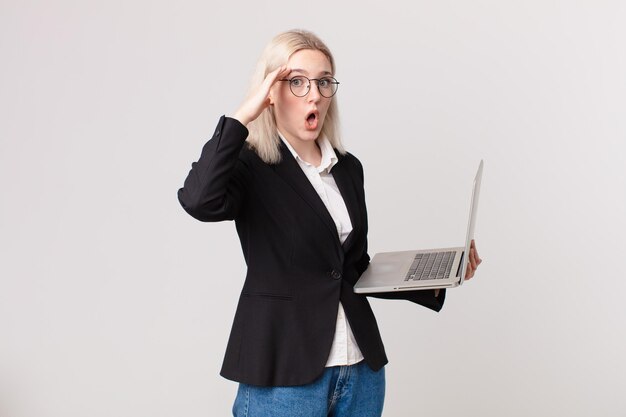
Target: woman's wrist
pixel 241 118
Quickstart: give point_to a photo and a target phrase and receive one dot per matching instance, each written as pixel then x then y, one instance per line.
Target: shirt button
pixel 335 274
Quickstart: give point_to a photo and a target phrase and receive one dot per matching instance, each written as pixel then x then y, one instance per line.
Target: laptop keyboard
pixel 434 265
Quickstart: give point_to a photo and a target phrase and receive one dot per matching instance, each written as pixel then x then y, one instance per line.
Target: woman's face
pixel 302 118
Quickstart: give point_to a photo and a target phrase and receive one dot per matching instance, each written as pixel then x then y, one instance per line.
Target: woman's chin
pixel 309 135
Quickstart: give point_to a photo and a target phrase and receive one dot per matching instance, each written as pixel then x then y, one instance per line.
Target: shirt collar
pixel 329 157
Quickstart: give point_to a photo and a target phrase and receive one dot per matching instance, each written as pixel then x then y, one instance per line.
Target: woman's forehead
pixel 309 61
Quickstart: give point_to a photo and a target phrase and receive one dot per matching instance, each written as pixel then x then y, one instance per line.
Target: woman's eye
pixel 324 82
pixel 296 82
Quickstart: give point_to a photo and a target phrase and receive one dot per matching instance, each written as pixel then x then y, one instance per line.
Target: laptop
pixel 421 269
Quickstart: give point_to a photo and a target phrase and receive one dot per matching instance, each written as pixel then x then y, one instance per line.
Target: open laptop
pixel 421 269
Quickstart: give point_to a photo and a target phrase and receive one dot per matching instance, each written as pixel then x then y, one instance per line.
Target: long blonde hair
pixel 263 137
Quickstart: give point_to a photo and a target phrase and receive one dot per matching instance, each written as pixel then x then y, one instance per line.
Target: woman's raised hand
pixel 259 100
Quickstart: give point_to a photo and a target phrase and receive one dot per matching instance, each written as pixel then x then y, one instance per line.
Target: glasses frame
pixel 308 89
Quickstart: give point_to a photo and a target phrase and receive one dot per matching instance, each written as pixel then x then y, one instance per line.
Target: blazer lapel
pixel 346 186
pixel 291 172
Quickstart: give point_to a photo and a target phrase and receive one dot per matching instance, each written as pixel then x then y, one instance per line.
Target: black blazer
pixel 298 270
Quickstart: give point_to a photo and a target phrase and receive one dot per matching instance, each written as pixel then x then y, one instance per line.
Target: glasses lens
pixel 299 86
pixel 327 86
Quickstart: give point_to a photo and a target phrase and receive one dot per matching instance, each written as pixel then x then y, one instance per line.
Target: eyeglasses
pixel 301 85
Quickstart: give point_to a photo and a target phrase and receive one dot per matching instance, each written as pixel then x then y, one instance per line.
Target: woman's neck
pixel 307 150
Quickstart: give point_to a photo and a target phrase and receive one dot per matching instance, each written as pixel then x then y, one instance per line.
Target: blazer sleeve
pixel 424 298
pixel 215 187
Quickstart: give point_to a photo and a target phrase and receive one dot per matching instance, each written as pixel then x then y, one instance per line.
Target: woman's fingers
pixel 283 71
pixel 478 260
pixel 275 76
pixel 260 99
pixel 472 258
pixel 270 79
pixel 473 261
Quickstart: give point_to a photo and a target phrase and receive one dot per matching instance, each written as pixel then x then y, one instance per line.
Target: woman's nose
pixel 314 92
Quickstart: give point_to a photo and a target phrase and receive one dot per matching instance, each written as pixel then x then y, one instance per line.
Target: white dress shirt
pixel 344 350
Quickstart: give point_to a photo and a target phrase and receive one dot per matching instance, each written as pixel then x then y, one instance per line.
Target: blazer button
pixel 335 274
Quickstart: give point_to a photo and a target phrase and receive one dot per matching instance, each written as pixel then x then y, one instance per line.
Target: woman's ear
pixel 270 94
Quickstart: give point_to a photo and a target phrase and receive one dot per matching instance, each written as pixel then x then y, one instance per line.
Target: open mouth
pixel 312 120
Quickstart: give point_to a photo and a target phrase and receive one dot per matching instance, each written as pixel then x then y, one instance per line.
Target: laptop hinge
pixel 458 271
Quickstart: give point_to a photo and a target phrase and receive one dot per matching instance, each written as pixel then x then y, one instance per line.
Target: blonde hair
pixel 263 137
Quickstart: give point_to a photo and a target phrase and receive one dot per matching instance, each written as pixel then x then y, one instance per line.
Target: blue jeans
pixel 341 391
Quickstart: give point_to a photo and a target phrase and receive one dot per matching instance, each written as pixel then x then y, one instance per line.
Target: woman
pixel 302 342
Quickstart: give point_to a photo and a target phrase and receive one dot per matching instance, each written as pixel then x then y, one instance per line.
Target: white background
pixel 114 302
